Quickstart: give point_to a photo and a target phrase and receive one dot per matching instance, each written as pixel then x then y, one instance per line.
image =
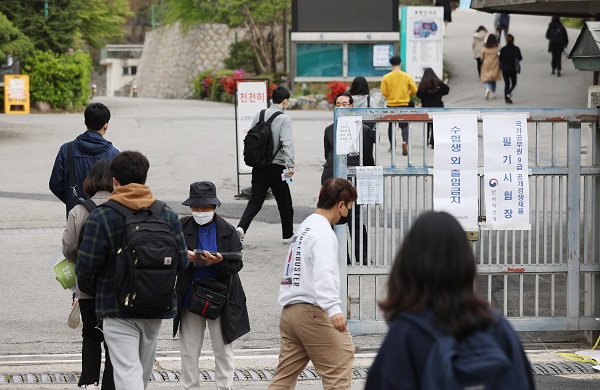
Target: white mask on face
pixel 203 217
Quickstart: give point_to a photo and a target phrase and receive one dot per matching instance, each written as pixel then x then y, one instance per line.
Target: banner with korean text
pixel 455 160
pixel 251 97
pixel 506 168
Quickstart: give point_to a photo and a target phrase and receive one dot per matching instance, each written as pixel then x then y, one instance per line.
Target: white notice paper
pixel 347 134
pixel 369 185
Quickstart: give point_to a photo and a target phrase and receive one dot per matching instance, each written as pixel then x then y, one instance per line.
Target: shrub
pixel 334 88
pixel 217 85
pixel 241 56
pixel 63 80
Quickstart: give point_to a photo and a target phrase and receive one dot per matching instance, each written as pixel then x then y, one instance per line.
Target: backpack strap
pixel 72 179
pixel 123 210
pixel 89 204
pixel 261 118
pixel 157 207
pixel 271 119
pixel 368 101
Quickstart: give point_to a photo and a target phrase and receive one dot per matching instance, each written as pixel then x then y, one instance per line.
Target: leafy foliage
pixel 265 21
pixel 93 21
pixel 241 56
pixel 60 79
pixel 217 85
pixel 12 41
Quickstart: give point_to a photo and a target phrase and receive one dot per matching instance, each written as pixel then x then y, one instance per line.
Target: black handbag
pixel 208 297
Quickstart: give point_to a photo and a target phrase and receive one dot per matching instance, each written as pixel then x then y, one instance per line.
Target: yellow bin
pixel 16 94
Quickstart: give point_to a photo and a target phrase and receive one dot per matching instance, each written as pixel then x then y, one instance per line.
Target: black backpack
pixel 87 286
pixel 477 361
pixel 555 34
pixel 146 263
pixel 258 143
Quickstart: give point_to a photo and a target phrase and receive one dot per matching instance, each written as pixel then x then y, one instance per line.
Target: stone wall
pixel 173 56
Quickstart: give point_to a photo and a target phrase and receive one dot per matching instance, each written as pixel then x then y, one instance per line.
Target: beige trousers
pixel 307 334
pixel 191 338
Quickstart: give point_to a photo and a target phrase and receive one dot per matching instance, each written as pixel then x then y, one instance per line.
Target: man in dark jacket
pixel 205 233
pixel 131 337
pixel 86 149
pixel 510 57
pixel 368 135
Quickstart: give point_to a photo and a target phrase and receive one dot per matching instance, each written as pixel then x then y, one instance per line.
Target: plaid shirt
pixel 103 235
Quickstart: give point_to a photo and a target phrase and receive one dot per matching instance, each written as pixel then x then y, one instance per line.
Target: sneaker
pixel 404 149
pixel 493 96
pixel 92 387
pixel 74 315
pixel 240 232
pixel 288 240
pixel 558 73
pixel 487 93
pixel 508 100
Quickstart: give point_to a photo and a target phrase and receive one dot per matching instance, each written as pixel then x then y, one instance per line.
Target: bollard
pixel 135 90
pixel 94 90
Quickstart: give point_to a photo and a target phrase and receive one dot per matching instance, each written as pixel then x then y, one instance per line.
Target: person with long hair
pixel 431 89
pixel 478 42
pixel 359 89
pixel 433 277
pixel 98 185
pixel 490 66
pixel 510 58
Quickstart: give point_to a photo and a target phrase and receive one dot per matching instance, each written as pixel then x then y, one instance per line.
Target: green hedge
pixel 63 80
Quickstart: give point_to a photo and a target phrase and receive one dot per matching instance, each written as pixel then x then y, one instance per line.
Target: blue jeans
pixel 491 86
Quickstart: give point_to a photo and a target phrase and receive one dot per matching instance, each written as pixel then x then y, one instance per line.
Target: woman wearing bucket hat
pixel 206 232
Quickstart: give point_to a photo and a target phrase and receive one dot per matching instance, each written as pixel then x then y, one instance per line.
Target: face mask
pixel 343 220
pixel 202 218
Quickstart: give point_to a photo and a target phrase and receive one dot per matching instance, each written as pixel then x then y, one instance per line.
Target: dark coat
pixel 508 55
pixel 88 148
pixel 433 98
pixel 368 135
pixel 403 356
pixel 234 317
pixel 557 42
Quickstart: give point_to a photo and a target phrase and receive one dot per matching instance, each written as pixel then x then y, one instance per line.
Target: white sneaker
pixel 493 96
pixel 240 232
pixel 74 315
pixel 92 387
pixel 487 93
pixel 288 240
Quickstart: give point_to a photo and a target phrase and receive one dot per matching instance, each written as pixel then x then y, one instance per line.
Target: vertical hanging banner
pixel 251 97
pixel 421 40
pixel 455 160
pixel 506 171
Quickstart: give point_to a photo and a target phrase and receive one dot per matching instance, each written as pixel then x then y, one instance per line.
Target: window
pixel 319 60
pixel 360 60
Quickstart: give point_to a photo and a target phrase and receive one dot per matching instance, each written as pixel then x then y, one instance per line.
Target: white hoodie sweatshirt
pixel 310 273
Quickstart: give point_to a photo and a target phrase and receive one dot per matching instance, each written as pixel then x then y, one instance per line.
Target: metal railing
pixel 547 278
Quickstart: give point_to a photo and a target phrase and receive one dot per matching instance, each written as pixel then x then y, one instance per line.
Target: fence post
pixel 573 221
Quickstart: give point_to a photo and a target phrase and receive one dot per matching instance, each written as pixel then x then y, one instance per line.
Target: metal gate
pixel 547 278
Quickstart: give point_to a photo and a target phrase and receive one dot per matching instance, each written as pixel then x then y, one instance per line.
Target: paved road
pixel 187 141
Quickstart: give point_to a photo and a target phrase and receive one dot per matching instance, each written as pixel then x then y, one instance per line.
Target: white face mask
pixel 204 217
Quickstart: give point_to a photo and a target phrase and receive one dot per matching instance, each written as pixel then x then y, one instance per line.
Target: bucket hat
pixel 202 193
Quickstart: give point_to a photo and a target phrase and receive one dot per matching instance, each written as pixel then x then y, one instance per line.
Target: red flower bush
pixel 335 88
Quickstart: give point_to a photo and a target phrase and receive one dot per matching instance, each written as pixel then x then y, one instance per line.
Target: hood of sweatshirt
pixel 133 195
pixel 92 143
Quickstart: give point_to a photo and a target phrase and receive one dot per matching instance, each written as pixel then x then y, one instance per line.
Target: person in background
pixel 344 100
pixel 557 42
pixel 490 67
pixel 359 89
pixel 270 176
pixel 397 87
pixel 98 185
pixel 86 149
pixel 207 231
pixel 501 22
pixel 447 12
pixel 478 42
pixel 510 58
pixel 442 296
pixel 431 90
